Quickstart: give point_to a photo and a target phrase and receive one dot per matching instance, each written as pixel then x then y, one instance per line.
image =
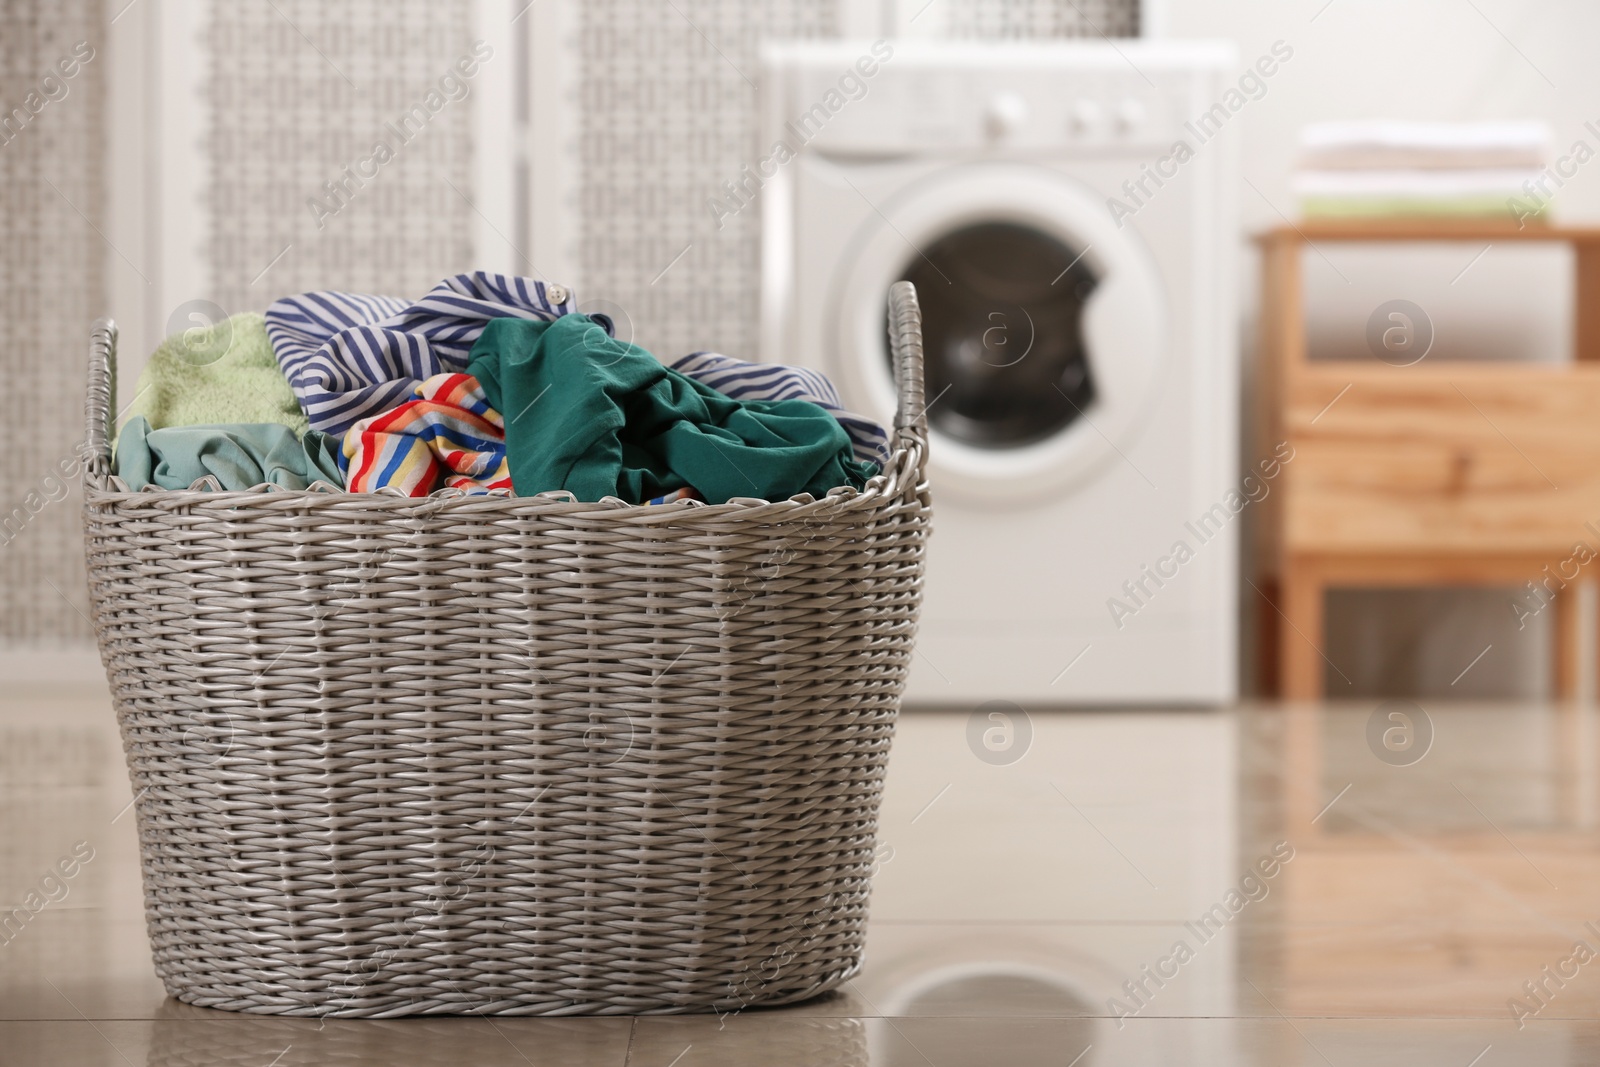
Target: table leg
pixel 1565 639
pixel 1300 637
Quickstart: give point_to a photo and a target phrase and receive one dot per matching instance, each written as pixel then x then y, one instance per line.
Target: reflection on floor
pixel 1268 885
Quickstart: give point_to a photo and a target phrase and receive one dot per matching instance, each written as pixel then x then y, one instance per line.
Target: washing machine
pixel 1068 214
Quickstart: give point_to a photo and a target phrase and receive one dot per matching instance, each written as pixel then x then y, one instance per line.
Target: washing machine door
pixel 1044 326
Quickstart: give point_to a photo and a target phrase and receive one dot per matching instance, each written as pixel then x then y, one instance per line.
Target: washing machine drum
pixel 1003 334
pixel 1044 326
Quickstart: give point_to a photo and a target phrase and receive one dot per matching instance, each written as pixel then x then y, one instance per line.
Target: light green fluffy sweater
pixel 222 374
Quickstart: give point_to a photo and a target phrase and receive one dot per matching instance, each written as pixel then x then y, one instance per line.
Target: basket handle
pixel 905 345
pixel 102 394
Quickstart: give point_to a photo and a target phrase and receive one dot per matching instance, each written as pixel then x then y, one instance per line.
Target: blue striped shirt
pixel 350 356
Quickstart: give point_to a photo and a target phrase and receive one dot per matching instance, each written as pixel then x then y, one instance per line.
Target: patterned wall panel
pixel 52 285
pixel 1043 18
pixel 668 113
pixel 299 91
pixel 667 100
pixel 296 91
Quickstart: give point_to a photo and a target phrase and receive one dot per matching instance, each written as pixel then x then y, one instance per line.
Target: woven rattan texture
pixel 52 285
pixel 507 755
pixel 299 90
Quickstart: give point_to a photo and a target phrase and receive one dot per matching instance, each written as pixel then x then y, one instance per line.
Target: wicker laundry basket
pixel 493 755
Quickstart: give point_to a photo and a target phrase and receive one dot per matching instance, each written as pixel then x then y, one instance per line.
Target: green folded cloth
pixel 1465 206
pixel 216 375
pixel 241 456
pixel 599 417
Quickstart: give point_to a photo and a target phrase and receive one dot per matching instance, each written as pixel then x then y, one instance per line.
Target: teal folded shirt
pixel 241 456
pixel 599 417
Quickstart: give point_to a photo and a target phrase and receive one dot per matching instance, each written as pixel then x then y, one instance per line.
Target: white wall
pixel 1418 59
pixel 1427 60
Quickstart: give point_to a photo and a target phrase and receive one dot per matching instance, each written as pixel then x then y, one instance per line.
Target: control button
pixel 1007 112
pixel 1130 115
pixel 1086 115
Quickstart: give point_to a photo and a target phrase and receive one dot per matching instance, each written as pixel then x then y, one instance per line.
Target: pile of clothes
pixel 489 384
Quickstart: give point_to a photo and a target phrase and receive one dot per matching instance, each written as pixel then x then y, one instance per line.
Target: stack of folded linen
pixel 1449 169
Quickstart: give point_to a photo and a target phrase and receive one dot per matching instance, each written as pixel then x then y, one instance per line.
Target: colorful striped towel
pixel 773 381
pixel 350 357
pixel 448 437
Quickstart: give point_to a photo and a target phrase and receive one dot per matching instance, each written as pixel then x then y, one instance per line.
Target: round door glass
pixel 1002 308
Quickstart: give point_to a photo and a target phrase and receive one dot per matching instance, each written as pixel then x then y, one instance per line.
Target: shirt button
pixel 556 294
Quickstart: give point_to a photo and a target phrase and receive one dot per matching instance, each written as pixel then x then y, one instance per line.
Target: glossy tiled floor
pixel 1017 905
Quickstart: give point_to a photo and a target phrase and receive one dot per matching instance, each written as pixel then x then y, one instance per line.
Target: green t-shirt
pixel 599 417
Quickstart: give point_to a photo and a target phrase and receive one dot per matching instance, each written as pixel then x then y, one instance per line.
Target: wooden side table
pixel 1433 473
